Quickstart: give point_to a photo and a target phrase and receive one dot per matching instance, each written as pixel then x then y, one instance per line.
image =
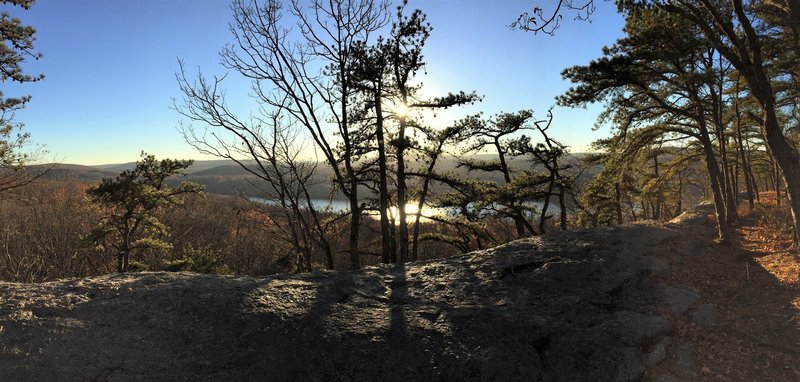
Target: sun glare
pixel 411 210
pixel 401 110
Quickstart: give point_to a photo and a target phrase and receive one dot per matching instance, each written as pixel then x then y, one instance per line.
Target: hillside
pixel 225 177
pixel 74 172
pixel 200 165
pixel 648 301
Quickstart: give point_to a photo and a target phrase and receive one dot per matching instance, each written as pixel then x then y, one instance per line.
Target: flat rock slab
pixel 565 306
pixel 679 299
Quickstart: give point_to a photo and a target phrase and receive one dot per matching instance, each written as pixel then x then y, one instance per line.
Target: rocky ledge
pixel 582 305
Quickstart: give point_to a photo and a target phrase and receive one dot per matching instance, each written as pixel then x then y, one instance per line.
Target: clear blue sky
pixel 110 65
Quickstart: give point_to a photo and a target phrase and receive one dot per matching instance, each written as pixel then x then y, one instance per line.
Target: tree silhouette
pixel 299 56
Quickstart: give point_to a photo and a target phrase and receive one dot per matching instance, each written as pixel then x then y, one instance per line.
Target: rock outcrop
pixel 581 305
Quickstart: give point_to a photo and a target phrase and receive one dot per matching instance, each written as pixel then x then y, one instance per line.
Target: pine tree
pixel 16 47
pixel 131 199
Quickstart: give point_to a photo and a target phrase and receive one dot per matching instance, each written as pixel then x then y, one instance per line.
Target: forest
pixel 701 99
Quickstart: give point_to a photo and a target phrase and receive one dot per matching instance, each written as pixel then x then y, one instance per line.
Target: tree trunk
pixel 657 205
pixel 749 169
pixel 730 198
pixel 715 92
pixel 120 264
pixel 562 203
pixel 716 187
pixel 679 207
pixel 546 203
pixel 415 234
pixel 734 171
pixel 519 221
pixel 401 191
pixel 632 206
pixel 355 209
pixel 618 200
pixel 768 183
pixel 355 224
pixel 307 255
pixel 387 245
pixel 122 259
pixel 746 170
pixel 777 183
pixel 755 187
pixel 421 203
pixel 326 249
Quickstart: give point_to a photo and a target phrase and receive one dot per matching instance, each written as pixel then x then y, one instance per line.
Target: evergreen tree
pixel 131 200
pixel 16 47
pixel 660 82
pixel 385 75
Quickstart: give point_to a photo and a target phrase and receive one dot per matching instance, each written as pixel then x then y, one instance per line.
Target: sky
pixel 110 66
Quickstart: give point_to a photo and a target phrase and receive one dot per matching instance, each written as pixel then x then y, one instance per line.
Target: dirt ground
pixel 755 282
pixel 646 301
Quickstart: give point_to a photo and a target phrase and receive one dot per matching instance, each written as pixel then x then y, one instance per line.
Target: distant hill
pixel 75 172
pixel 224 170
pixel 201 165
pixel 229 178
pixel 117 167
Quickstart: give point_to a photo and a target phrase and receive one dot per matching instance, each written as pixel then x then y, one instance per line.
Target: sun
pixel 400 109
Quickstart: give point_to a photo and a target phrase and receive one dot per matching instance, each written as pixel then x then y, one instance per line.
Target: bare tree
pixel 548 20
pixel 299 58
pixel 17 157
pixel 263 146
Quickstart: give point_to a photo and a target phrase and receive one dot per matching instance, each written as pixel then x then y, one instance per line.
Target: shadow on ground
pixel 635 302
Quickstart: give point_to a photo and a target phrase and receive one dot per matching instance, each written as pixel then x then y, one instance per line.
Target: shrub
pixel 200 260
pixel 136 266
pixel 775 218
